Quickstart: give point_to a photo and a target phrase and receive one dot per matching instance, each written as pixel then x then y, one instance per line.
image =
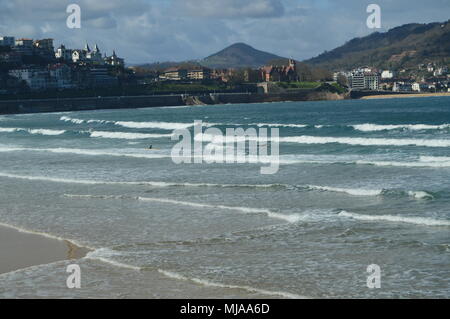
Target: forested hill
pixel 401 47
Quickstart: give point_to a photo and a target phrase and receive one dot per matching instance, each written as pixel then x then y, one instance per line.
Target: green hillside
pixel 401 47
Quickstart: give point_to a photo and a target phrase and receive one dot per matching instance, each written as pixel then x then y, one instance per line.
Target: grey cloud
pixel 232 8
pixel 160 30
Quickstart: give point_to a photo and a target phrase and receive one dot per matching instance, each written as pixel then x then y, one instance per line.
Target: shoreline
pixel 30 106
pixel 20 249
pixel 400 96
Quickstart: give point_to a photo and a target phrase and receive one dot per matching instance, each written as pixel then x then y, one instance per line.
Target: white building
pixel 419 87
pixel 364 81
pixel 63 53
pixel 87 55
pixel 387 74
pixel 114 60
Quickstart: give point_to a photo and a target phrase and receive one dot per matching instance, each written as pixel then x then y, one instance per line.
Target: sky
pixel 146 31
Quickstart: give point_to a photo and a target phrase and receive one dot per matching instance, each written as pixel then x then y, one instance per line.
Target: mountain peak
pixel 239 55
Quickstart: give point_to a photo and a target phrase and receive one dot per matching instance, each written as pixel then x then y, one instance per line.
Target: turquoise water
pixel 360 183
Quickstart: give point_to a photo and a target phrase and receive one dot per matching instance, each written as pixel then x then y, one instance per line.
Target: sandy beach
pixel 397 96
pixel 20 250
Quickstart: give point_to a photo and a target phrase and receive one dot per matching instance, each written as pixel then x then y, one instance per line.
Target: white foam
pixel 27 231
pixel 155 125
pixel 207 283
pixel 420 195
pixel 350 191
pixel 328 140
pixel 397 219
pixel 434 159
pixel 32 131
pixel 80 121
pixel 84 152
pixel 279 125
pixel 149 183
pixel 72 120
pixel 8 129
pixel 126 136
pixel 436 164
pixel 413 127
pixel 105 255
pixel 247 210
pixel 366 141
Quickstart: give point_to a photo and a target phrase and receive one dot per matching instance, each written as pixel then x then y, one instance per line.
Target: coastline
pixel 401 96
pixel 148 101
pixel 20 249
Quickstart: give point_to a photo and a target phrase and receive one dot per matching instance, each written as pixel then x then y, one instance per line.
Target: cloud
pixel 232 8
pixel 161 30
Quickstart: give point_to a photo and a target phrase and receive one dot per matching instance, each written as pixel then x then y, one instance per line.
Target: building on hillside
pixel 35 78
pixel 199 74
pixel 174 74
pixel 114 60
pixel 364 81
pixel 252 76
pixel 94 56
pixel 78 56
pixel 64 54
pixel 280 73
pixel 223 75
pixel 44 45
pixel 61 74
pixel 44 48
pixel 88 56
pixel 100 77
pixel 402 87
pixel 24 46
pixel 7 41
pixel 387 75
pixel 11 57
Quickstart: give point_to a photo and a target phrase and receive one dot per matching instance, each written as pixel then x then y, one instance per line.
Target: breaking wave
pixel 397 219
pixel 105 254
pixel 328 140
pixel 155 125
pixel 126 136
pixel 412 127
pixel 436 164
pixel 246 210
pixel 83 152
pixel 48 132
pixel 207 283
pixel 349 191
pixel 80 121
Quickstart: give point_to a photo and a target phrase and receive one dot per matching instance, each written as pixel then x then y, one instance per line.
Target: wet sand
pixel 20 250
pixel 399 96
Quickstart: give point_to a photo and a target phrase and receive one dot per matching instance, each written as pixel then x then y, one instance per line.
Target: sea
pixel 362 196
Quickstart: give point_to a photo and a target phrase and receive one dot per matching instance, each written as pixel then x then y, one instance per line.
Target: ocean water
pixel 360 183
